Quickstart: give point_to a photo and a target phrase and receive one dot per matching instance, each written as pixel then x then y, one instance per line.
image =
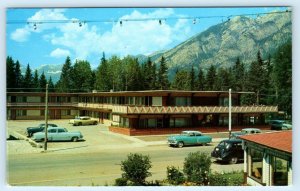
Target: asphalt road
pixel 100 168
pixel 95 161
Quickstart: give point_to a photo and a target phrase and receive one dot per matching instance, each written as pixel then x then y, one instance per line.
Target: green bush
pixel 234 178
pixel 121 182
pixel 135 169
pixel 197 168
pixel 175 176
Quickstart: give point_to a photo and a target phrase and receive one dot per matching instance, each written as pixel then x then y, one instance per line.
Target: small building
pixel 268 158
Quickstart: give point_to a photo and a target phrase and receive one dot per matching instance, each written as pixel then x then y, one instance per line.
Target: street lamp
pixel 46 119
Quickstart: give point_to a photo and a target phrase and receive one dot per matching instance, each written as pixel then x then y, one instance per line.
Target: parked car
pixel 229 150
pixel 83 120
pixel 31 130
pixel 245 131
pixel 58 134
pixel 189 138
pixel 280 125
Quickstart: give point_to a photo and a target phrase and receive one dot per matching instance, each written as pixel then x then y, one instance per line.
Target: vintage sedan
pixel 83 120
pixel 189 138
pixel 58 134
pixel 229 150
pixel 31 130
pixel 245 131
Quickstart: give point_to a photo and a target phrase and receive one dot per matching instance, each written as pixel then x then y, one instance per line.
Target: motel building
pixel 144 112
pixel 268 158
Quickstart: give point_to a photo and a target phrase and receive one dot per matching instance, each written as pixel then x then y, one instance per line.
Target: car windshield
pixel 184 133
pixel 223 144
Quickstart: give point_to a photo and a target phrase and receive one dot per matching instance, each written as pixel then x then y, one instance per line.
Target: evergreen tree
pixel 43 82
pixel 51 86
pixel 103 80
pixel 201 80
pixel 19 76
pixel 282 72
pixel 64 83
pixel 149 75
pixel 223 79
pixel 211 78
pixel 133 74
pixel 28 80
pixel 10 73
pixel 238 76
pixel 82 76
pixel 181 80
pixel 192 79
pixel 116 67
pixel 35 81
pixel 162 76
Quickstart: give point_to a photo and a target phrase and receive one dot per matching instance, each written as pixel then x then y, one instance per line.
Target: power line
pixel 121 21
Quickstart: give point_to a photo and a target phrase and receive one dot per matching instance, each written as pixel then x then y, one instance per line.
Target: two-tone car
pixel 189 138
pixel 58 134
pixel 245 131
pixel 83 120
pixel 31 130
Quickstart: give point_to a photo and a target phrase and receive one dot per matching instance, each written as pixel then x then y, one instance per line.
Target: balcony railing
pixel 95 106
pixel 191 109
pixel 41 104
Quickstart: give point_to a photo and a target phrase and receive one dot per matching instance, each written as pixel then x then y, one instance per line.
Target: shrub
pixel 174 175
pixel 135 168
pixel 121 182
pixel 197 167
pixel 234 178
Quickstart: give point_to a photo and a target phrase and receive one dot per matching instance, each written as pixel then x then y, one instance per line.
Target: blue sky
pixel 52 41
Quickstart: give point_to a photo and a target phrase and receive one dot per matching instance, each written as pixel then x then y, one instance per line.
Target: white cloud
pixel 20 35
pixel 58 53
pixel 133 37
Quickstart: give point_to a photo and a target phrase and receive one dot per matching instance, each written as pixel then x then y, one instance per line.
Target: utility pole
pixel 46 119
pixel 229 120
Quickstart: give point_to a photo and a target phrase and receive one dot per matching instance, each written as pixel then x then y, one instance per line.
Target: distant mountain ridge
pixel 221 44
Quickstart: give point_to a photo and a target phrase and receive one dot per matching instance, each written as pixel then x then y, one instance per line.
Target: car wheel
pixel 79 123
pixel 180 144
pixel 233 160
pixel 95 123
pixel 75 139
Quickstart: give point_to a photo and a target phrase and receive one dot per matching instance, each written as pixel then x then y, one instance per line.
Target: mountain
pixel 221 44
pixel 53 70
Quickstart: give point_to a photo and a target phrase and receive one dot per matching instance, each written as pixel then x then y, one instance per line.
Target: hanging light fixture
pixel 121 23
pixel 194 21
pixel 80 24
pixel 159 21
pixel 34 26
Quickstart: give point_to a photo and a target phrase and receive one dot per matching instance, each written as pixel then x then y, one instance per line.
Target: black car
pixel 31 130
pixel 229 150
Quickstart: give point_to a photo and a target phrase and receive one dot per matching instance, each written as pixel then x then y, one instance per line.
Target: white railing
pixel 39 104
pixel 192 109
pixel 95 105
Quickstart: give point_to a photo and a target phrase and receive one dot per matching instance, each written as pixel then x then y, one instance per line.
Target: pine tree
pixel 28 80
pixel 210 78
pixel 163 82
pixel 238 76
pixel 82 76
pixel 192 79
pixel 65 82
pixel 19 76
pixel 103 81
pixel 51 86
pixel 181 80
pixel 149 75
pixel 10 73
pixel 43 82
pixel 201 80
pixel 35 81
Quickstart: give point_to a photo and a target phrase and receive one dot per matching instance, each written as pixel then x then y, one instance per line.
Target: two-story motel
pixel 143 112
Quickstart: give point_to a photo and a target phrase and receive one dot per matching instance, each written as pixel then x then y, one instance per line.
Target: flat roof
pixel 280 140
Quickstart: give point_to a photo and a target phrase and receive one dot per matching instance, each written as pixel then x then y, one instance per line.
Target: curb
pixel 23 137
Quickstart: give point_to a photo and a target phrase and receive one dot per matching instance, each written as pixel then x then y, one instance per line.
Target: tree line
pixel 270 78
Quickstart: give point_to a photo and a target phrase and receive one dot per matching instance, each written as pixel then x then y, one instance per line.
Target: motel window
pixel 256 164
pixel 21 112
pixel 151 123
pixel 178 122
pixel 182 101
pixel 279 171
